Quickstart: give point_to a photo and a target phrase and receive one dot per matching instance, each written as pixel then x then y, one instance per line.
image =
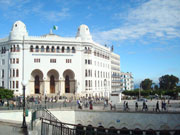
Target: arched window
pixel 47 49
pixel 101 130
pixel 57 49
pixel 62 49
pixel 112 130
pixel 17 49
pixel 68 49
pixel 37 48
pixel 73 50
pixel 11 49
pixel 80 130
pixel 52 49
pixel 42 48
pixel 31 48
pixel 14 48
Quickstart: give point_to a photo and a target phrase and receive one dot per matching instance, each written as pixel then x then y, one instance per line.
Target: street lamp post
pixel 24 126
pixel 105 84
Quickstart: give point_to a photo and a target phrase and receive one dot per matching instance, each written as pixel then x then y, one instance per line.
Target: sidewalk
pixel 10 129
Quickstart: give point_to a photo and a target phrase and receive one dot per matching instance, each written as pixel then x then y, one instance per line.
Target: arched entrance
pixel 69 81
pixel 67 84
pixel 52 84
pixel 53 79
pixel 36 82
pixel 37 85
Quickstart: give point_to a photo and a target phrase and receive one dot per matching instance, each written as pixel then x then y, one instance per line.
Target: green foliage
pixel 156 87
pixel 167 82
pixel 146 84
pixel 6 94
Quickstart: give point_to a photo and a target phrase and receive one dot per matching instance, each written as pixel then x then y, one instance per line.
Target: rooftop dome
pixel 83 33
pixel 18 30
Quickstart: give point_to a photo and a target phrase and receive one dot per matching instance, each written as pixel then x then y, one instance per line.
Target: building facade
pixel 115 72
pixel 55 65
pixel 127 81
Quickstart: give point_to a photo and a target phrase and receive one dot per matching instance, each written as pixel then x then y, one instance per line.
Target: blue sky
pixel 145 33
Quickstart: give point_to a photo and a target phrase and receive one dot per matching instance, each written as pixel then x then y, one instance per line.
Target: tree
pixel 156 87
pixel 6 94
pixel 167 82
pixel 146 84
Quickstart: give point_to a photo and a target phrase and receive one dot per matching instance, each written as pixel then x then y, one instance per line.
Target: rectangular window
pixel 36 60
pixel 10 61
pixel 17 73
pixel 17 60
pixel 13 73
pixel 13 60
pixel 17 84
pixel 86 73
pixel 52 60
pixel 85 61
pixel 2 73
pixel 2 83
pixel 68 61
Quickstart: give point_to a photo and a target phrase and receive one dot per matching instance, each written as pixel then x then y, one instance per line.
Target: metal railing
pixel 49 127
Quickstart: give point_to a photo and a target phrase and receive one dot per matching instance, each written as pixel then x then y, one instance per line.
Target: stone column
pixel 47 86
pixel 31 87
pixel 62 87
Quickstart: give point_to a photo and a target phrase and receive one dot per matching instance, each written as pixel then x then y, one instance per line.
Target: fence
pixel 49 127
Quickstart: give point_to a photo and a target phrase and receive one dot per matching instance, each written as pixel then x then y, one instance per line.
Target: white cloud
pixel 19 9
pixel 153 19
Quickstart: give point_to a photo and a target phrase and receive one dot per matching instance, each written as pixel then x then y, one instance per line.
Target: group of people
pixel 163 106
pixel 86 103
pixel 145 106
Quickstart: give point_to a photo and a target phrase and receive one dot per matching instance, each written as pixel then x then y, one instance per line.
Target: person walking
pixel 124 106
pixel 144 106
pixel 127 107
pixel 90 105
pixel 136 106
pixel 105 104
pixel 157 106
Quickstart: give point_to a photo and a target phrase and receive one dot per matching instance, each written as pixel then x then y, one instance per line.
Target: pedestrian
pixel 90 105
pixel 105 104
pixel 127 107
pixel 110 103
pixel 136 106
pixel 157 106
pixel 164 106
pixel 144 106
pixel 124 105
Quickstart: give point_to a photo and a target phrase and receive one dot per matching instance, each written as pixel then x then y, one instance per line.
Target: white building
pixel 115 72
pixel 127 81
pixel 55 65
